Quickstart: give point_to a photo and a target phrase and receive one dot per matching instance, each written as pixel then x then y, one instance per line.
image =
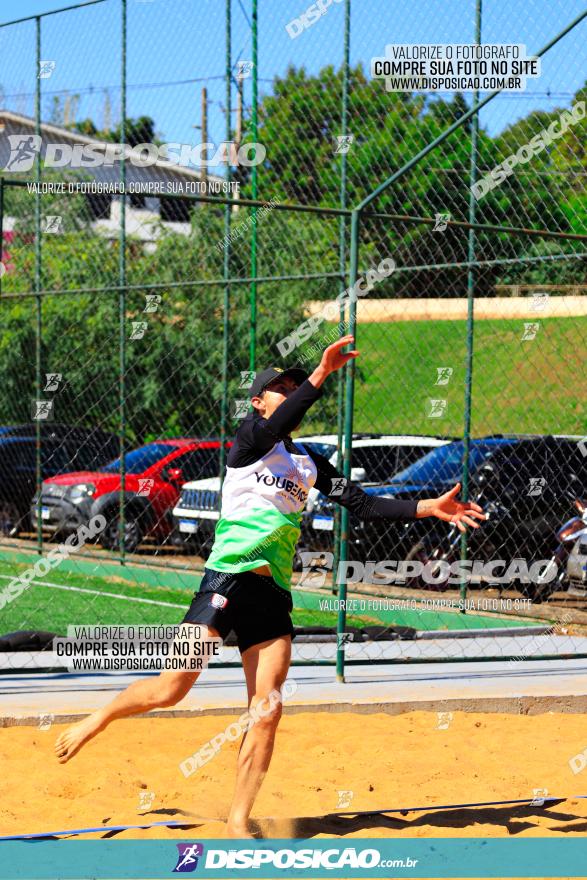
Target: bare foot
pixel 76 736
pixel 238 830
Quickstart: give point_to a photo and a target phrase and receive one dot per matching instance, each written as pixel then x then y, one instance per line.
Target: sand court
pixel 325 764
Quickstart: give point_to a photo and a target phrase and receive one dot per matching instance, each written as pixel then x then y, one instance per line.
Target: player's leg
pixel 165 689
pixel 266 666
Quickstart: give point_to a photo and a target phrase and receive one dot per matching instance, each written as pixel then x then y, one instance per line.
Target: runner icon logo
pixel 188 855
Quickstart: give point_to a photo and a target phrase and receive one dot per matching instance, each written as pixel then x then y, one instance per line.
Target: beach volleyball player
pixel 246 583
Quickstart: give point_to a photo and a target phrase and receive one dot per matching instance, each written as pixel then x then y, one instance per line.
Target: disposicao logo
pixel 188 855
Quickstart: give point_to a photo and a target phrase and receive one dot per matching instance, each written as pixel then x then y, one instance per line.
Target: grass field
pixel 517 384
pixel 122 597
pixel 82 599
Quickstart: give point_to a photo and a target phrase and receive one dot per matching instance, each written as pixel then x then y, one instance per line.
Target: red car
pixel 154 476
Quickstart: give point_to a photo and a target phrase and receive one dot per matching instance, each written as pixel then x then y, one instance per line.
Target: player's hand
pixel 334 358
pixel 448 509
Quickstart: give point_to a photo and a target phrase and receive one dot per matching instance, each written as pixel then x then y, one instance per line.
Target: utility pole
pixel 73 108
pixel 238 135
pixel 204 168
pixel 107 117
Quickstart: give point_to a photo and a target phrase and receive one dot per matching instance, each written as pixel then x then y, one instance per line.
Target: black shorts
pixel 251 604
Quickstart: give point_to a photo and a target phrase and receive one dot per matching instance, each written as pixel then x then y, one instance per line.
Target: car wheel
pixel 133 532
pixel 9 519
pixel 530 591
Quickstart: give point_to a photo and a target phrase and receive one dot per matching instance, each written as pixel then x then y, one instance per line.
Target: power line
pixel 244 12
pixel 88 90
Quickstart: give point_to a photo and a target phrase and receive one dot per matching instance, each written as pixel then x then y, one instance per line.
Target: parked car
pixel 502 532
pixel 524 481
pixel 526 490
pixel 63 448
pixel 154 474
pixel 197 511
pixel 375 459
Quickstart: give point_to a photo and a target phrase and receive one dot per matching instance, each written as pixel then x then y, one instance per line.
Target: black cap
pixel 262 380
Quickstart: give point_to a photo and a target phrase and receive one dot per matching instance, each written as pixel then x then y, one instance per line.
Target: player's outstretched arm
pixel 445 507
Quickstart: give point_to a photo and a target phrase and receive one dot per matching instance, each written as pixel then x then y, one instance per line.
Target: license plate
pixel 188 525
pixel 324 523
pixel 45 513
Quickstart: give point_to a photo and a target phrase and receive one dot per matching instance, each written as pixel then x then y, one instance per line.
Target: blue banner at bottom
pixel 352 857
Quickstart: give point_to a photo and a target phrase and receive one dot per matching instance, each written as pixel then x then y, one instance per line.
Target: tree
pixel 299 122
pixel 137 131
pixel 173 371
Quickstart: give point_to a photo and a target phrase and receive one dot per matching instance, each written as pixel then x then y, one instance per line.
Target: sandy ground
pixel 383 761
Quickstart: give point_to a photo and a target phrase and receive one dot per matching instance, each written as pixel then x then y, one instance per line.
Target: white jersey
pixel 262 505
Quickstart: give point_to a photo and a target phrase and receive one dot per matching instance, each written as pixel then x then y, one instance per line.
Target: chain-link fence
pixel 132 325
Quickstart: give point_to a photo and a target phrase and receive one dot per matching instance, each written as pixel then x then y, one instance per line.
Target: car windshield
pixel 139 460
pixel 383 461
pixel 325 449
pixel 444 464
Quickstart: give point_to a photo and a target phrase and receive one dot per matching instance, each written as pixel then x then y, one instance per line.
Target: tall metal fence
pixel 143 318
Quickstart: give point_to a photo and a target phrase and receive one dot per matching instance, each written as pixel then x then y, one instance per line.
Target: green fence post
pixel 226 254
pixel 470 312
pixel 255 190
pixel 52 12
pixel 38 299
pixel 342 268
pixel 348 435
pixel 122 293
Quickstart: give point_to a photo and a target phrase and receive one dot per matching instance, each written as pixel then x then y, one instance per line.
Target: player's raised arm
pixel 333 359
pixel 282 397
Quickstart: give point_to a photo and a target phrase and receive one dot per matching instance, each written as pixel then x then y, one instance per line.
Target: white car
pixel 376 457
pixel 197 510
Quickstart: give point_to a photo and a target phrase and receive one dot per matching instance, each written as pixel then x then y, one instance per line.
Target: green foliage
pixel 301 118
pixel 516 384
pixel 137 131
pixel 173 376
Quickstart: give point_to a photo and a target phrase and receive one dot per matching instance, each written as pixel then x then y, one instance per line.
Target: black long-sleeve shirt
pixel 257 435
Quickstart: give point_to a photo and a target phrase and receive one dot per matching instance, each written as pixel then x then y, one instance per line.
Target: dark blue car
pixel 508 458
pixel 431 475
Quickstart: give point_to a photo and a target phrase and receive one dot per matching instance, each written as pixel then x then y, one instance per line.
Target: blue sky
pixel 177 46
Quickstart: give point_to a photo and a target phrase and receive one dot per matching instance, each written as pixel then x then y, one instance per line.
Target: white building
pixel 148 210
